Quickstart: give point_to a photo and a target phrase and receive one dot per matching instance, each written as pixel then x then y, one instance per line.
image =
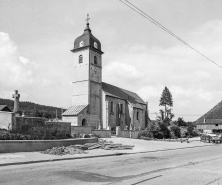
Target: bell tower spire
pixel 87 19
pixel 87 23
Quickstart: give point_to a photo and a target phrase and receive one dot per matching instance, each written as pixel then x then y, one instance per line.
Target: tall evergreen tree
pixel 166 99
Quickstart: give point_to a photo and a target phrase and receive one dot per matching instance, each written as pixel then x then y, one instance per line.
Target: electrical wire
pixel 179 114
pixel 142 13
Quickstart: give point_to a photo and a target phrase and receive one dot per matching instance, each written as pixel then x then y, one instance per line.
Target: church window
pixel 95 60
pixel 137 115
pixel 80 58
pixel 121 108
pixel 111 108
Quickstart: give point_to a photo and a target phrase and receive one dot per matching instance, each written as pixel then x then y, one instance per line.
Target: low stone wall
pixel 38 127
pixel 102 133
pixel 76 130
pixel 11 146
pixel 129 134
pixel 63 128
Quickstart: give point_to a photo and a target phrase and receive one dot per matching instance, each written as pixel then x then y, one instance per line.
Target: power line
pixel 139 11
pixel 178 114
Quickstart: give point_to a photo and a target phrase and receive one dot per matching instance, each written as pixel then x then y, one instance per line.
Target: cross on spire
pixel 87 20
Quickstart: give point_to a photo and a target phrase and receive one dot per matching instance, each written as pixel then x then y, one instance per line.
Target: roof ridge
pixel 216 108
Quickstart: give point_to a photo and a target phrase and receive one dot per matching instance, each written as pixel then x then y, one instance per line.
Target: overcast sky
pixel 36 37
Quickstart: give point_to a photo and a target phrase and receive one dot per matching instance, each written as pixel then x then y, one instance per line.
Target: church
pixel 94 102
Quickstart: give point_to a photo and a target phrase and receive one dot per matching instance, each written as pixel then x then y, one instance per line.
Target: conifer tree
pixel 166 99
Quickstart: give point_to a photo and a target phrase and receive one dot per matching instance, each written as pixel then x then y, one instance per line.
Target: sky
pixel 36 37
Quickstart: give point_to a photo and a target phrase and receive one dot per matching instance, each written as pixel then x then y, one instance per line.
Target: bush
pixel 164 131
pixel 145 133
pixel 160 135
pixel 16 136
pixel 176 131
pixel 195 133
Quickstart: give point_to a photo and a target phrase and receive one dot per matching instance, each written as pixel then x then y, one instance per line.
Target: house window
pixel 111 108
pixel 80 58
pixel 137 115
pixel 95 60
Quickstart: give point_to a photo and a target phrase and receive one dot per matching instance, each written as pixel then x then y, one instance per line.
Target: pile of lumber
pixel 108 145
pixel 80 149
pixel 71 150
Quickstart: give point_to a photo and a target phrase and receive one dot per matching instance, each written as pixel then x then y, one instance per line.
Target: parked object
pixel 208 138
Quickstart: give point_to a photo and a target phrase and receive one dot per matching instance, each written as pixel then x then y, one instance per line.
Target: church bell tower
pixel 87 76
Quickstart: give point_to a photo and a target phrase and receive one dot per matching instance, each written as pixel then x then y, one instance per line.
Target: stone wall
pixel 129 134
pixel 38 127
pixel 63 128
pixel 6 120
pixel 76 130
pixel 102 133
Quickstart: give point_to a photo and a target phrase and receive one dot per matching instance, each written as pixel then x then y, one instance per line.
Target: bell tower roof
pixel 87 39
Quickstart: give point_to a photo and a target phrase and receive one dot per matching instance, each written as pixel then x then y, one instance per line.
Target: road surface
pixel 193 166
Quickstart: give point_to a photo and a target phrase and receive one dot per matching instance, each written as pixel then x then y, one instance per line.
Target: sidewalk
pixel 140 146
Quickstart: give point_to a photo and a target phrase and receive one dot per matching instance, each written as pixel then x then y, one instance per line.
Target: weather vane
pixel 87 20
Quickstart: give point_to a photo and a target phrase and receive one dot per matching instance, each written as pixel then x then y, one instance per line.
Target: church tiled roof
pixel 74 110
pixel 132 98
pixel 214 114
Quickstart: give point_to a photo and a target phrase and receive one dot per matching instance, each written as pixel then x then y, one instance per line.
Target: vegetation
pixel 16 136
pixel 166 100
pixel 33 109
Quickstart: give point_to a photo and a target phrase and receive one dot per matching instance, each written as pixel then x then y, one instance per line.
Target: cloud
pixel 14 71
pixel 192 79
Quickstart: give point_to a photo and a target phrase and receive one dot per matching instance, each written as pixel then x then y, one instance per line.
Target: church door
pixel 84 122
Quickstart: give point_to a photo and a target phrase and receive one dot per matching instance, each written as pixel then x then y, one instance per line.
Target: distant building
pixel 6 117
pixel 212 120
pixel 95 103
pixel 5 108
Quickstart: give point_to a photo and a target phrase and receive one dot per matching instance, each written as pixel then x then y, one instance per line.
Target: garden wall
pixel 76 130
pixel 129 134
pixel 102 133
pixel 38 127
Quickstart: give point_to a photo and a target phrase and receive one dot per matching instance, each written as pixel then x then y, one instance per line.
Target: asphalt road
pixel 194 166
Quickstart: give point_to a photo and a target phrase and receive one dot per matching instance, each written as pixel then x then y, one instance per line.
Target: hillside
pixel 33 109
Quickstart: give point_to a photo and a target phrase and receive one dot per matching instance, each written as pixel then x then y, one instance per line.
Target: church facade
pixel 95 103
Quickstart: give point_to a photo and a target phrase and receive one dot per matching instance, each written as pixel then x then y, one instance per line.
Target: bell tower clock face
pixel 95 45
pixel 81 44
pixel 95 74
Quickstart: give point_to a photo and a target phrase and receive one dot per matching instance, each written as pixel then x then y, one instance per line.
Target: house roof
pixel 214 114
pixel 74 110
pixel 5 108
pixel 210 122
pixel 132 98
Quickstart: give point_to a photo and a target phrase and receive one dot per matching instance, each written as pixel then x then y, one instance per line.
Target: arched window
pixel 111 107
pixel 84 122
pixel 95 60
pixel 80 58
